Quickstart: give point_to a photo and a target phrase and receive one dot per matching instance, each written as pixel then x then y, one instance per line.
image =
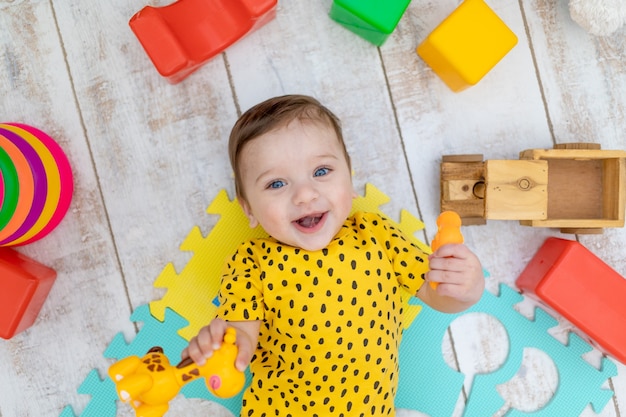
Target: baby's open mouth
pixel 310 221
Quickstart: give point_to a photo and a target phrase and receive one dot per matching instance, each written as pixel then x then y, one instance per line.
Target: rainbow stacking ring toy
pixel 36 184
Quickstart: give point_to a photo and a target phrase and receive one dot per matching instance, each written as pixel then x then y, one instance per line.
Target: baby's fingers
pixel 209 338
pixel 244 356
pixel 452 250
pixel 447 264
pixel 444 276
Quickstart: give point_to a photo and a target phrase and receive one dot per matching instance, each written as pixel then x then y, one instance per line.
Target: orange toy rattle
pixel 449 231
pixel 149 383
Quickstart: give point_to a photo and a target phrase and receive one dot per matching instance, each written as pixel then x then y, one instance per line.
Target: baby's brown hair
pixel 273 114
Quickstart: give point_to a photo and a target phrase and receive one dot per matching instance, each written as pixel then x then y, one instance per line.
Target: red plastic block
pixel 582 288
pixel 24 286
pixel 182 36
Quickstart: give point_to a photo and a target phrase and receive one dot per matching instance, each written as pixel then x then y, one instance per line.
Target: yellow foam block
pixel 467 45
pixel 190 293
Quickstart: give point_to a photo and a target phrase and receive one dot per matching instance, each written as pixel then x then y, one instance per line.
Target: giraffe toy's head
pixel 149 383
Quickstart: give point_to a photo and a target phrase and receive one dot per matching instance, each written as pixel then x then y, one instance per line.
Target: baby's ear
pixel 248 212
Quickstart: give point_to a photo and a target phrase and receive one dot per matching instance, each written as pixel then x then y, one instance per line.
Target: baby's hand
pixel 459 275
pixel 210 338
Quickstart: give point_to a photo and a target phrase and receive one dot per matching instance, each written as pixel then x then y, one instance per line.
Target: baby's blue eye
pixel 321 172
pixel 276 184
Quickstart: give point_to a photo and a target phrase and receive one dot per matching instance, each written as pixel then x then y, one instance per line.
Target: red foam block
pixel 578 285
pixel 24 286
pixel 182 36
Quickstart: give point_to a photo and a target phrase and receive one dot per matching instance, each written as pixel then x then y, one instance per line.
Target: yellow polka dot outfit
pixel 331 319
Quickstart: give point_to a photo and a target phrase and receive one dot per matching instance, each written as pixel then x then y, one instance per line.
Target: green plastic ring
pixel 11 188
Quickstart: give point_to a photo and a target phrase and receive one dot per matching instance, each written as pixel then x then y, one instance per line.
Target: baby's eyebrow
pixel 262 175
pixel 327 156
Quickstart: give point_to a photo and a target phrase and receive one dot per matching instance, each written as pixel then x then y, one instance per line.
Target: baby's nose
pixel 305 193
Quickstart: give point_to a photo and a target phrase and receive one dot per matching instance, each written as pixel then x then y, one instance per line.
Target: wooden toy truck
pixel 576 187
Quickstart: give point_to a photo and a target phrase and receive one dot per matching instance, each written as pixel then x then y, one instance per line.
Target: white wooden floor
pixel 149 157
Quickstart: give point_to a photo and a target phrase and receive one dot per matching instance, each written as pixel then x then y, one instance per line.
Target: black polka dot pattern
pixel 331 319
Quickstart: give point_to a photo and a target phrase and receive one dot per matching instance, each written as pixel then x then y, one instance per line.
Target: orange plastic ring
pixel 27 187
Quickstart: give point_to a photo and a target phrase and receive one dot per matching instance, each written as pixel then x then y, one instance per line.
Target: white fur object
pixel 598 17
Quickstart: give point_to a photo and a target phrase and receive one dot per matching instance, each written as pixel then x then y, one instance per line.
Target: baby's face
pixel 297 184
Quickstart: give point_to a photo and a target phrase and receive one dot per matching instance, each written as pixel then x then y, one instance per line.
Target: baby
pixel 317 305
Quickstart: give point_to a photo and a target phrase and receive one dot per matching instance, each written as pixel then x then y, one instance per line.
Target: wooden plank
pixel 516 190
pixel 159 149
pixel 582 77
pixel 149 156
pixel 574 223
pixel 501 115
pixel 345 73
pixel 614 189
pixel 497 117
pixel 580 154
pixel 41 368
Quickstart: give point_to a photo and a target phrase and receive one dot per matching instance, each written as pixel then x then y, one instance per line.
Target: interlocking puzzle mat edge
pixel 166 325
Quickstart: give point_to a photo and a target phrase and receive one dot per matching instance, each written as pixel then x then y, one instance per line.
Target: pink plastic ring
pixel 66 182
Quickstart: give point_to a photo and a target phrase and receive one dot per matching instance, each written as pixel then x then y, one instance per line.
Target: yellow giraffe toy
pixel 149 383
